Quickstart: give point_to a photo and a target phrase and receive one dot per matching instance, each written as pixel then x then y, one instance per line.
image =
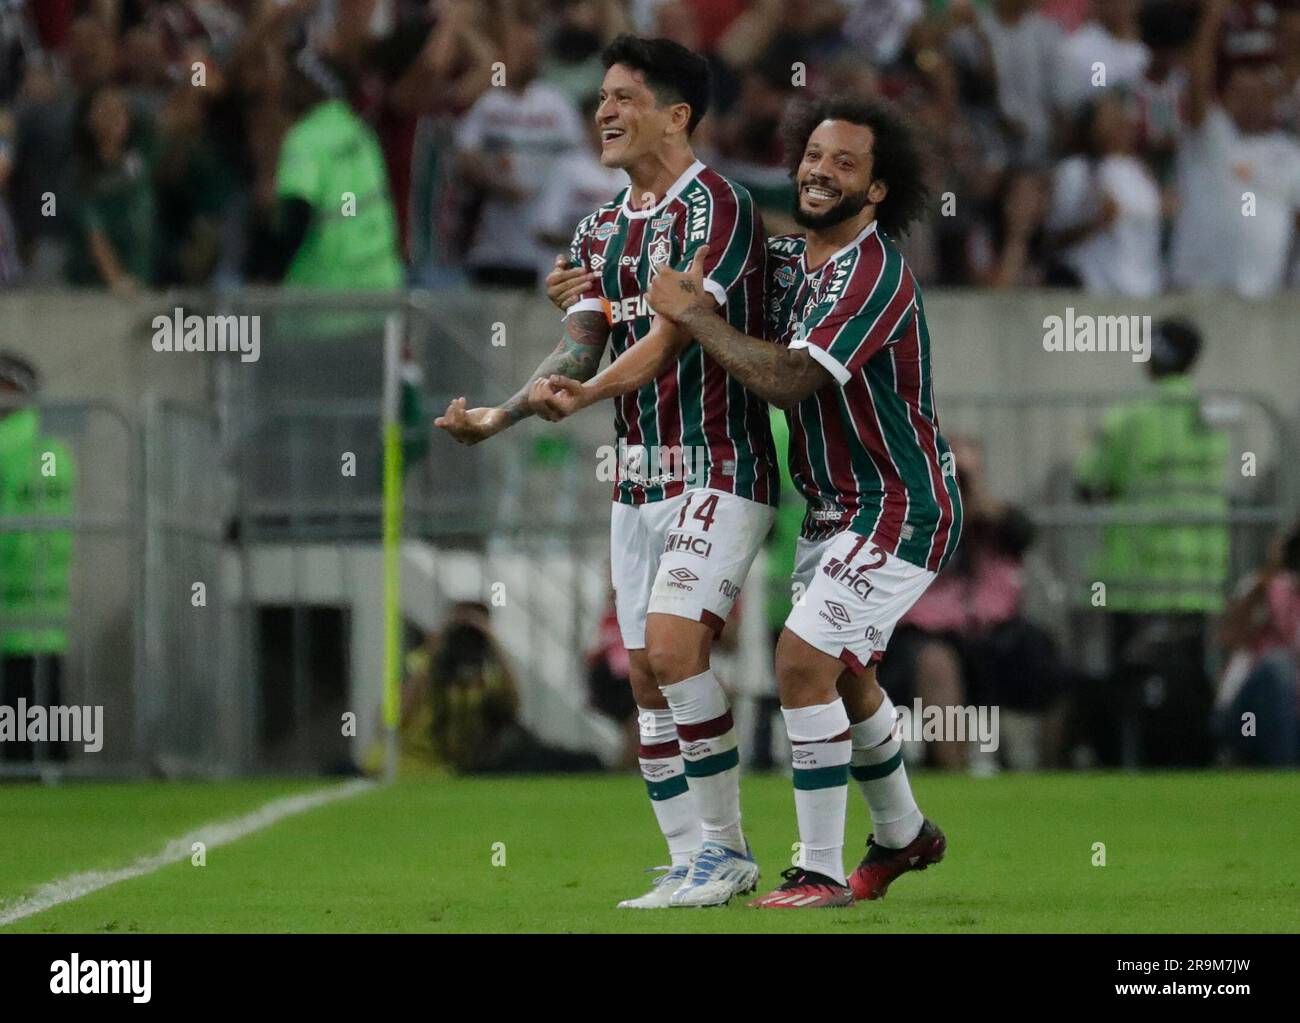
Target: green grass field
pixel 1205 852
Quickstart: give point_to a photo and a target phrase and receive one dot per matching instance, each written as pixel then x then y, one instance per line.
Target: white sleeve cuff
pixel 718 292
pixel 584 305
pixel 826 360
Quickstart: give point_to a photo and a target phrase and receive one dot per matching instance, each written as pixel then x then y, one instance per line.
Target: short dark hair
pixel 896 152
pixel 1175 347
pixel 672 72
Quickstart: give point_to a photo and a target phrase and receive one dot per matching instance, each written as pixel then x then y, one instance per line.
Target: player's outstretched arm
pixel 577 355
pixel 773 372
pixel 636 367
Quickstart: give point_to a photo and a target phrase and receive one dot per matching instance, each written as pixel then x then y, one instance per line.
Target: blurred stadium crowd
pixel 1124 146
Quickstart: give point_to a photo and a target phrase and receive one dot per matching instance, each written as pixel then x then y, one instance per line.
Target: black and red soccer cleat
pixel 881 866
pixel 805 889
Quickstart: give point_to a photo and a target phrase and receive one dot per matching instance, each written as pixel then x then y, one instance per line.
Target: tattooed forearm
pixel 577 355
pixel 771 371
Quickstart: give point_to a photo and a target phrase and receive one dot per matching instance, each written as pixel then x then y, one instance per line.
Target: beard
pixel 850 205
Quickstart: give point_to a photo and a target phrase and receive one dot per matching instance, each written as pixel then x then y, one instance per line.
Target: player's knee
pixel 801 681
pixel 677 653
pixel 644 688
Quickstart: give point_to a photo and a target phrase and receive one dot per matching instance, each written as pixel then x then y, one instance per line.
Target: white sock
pixel 819 737
pixel 879 771
pixel 708 743
pixel 665 781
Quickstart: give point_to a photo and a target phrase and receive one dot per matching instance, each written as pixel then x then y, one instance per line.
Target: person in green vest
pixel 333 226
pixel 37 481
pixel 1161 465
pixel 1158 456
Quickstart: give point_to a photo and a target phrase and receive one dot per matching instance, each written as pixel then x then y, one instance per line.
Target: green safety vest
pixel 351 244
pixel 1158 454
pixel 37 479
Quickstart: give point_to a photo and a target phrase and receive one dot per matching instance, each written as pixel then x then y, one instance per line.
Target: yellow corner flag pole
pixel 392 541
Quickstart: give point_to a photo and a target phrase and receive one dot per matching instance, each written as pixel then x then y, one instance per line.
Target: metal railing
pixel 243 493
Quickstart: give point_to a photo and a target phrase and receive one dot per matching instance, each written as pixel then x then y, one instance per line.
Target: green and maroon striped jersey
pixel 866 451
pixel 694 426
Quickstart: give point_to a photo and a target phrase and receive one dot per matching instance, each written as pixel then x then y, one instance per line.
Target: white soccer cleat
pixel 660 891
pixel 716 875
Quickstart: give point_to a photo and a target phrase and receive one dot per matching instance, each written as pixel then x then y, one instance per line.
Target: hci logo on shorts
pixel 696 545
pixel 847 575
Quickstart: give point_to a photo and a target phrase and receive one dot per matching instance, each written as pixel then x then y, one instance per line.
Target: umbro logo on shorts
pixel 838 616
pixel 682 578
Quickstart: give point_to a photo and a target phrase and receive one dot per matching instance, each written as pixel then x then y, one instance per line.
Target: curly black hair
pixel 672 72
pixel 898 158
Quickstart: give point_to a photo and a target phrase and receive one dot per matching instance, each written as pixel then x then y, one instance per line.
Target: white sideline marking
pixel 218 833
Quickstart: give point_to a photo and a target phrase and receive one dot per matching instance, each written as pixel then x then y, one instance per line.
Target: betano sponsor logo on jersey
pixel 634 307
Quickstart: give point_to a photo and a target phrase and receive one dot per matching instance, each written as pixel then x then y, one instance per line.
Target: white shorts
pixel 848 596
pixel 686 556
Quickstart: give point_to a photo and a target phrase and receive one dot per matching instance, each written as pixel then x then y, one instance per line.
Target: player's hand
pixel 469 426
pixel 675 293
pixel 557 397
pixel 564 286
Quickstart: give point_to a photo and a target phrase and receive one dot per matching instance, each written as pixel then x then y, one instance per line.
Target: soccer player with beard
pixel 884 513
pixel 695 494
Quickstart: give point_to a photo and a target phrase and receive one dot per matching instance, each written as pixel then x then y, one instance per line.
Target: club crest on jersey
pixel 603 233
pixel 660 251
